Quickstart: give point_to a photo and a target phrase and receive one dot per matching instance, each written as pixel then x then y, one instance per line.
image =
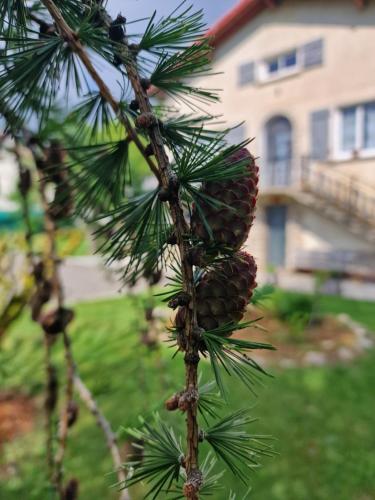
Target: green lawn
pixel 323 418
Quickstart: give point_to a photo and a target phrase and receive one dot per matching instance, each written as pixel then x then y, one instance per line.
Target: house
pixel 301 76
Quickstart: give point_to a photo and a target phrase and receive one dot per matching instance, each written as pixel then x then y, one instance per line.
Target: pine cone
pixel 56 321
pixel 71 489
pixel 223 293
pixel 230 227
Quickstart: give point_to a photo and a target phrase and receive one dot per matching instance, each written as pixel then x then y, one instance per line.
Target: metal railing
pixel 280 174
pixel 343 261
pixel 351 197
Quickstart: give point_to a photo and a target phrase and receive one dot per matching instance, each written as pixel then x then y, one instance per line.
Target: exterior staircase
pixel 341 198
pixel 336 197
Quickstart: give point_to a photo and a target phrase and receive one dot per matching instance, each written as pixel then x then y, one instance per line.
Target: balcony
pixel 342 263
pixel 347 200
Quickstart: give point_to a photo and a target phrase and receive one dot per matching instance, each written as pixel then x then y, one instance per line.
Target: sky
pixel 135 9
pixel 138 9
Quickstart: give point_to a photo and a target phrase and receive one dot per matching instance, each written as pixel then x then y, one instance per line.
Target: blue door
pixel 276 223
pixel 279 151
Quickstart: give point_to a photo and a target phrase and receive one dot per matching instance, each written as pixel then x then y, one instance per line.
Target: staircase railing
pixel 352 197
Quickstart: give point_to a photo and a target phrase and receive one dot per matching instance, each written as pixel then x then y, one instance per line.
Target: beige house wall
pixel 347 76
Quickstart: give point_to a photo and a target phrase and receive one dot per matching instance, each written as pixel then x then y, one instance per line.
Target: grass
pixel 70 241
pixel 322 417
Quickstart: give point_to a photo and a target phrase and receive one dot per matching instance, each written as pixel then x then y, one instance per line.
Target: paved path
pixel 86 278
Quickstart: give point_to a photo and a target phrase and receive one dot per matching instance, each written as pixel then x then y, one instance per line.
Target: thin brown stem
pixel 50 400
pixel 24 207
pixel 71 38
pixel 181 232
pixel 164 174
pixel 50 230
pixel 49 369
pixel 110 436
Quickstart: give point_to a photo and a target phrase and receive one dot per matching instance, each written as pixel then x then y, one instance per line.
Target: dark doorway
pixel 276 221
pixel 279 151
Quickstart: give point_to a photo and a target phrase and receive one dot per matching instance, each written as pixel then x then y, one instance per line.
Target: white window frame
pixel 265 76
pixel 359 150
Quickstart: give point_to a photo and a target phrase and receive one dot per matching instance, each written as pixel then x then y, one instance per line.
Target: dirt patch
pixel 328 340
pixel 17 413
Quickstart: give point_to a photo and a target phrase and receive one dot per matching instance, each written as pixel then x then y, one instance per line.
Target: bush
pixel 287 306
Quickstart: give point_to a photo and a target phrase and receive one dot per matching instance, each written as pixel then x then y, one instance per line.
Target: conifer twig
pixel 88 399
pixel 164 174
pixel 25 209
pixel 71 38
pixel 73 377
pixel 50 229
pixel 50 395
pixel 194 478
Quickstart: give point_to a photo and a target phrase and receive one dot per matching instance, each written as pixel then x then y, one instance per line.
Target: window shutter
pixel 312 53
pixel 319 134
pixel 236 135
pixel 246 74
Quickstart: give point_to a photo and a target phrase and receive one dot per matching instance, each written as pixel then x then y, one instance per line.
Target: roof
pixel 241 14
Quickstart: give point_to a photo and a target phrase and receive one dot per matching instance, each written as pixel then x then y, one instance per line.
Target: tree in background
pixel 40 160
pixel 193 222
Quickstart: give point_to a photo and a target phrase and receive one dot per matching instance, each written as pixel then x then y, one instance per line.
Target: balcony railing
pixel 353 198
pixel 280 174
pixel 347 262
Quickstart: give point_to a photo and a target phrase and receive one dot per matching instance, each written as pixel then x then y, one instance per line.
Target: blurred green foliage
pixel 289 306
pixel 322 416
pixel 70 241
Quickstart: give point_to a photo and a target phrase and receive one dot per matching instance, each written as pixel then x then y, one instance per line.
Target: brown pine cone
pixel 71 489
pixel 56 321
pixel 223 293
pixel 230 226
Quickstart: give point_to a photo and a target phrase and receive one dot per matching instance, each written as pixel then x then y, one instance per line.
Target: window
pixel 319 134
pixel 357 128
pixel 312 53
pixel 348 129
pixel 282 64
pixel 236 135
pixel 273 66
pixel 289 60
pixel 369 126
pixel 246 74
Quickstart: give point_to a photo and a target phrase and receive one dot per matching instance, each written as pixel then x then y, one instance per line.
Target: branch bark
pixel 71 38
pixel 49 369
pixel 50 230
pixel 181 232
pixel 73 379
pixel 164 174
pixel 110 436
